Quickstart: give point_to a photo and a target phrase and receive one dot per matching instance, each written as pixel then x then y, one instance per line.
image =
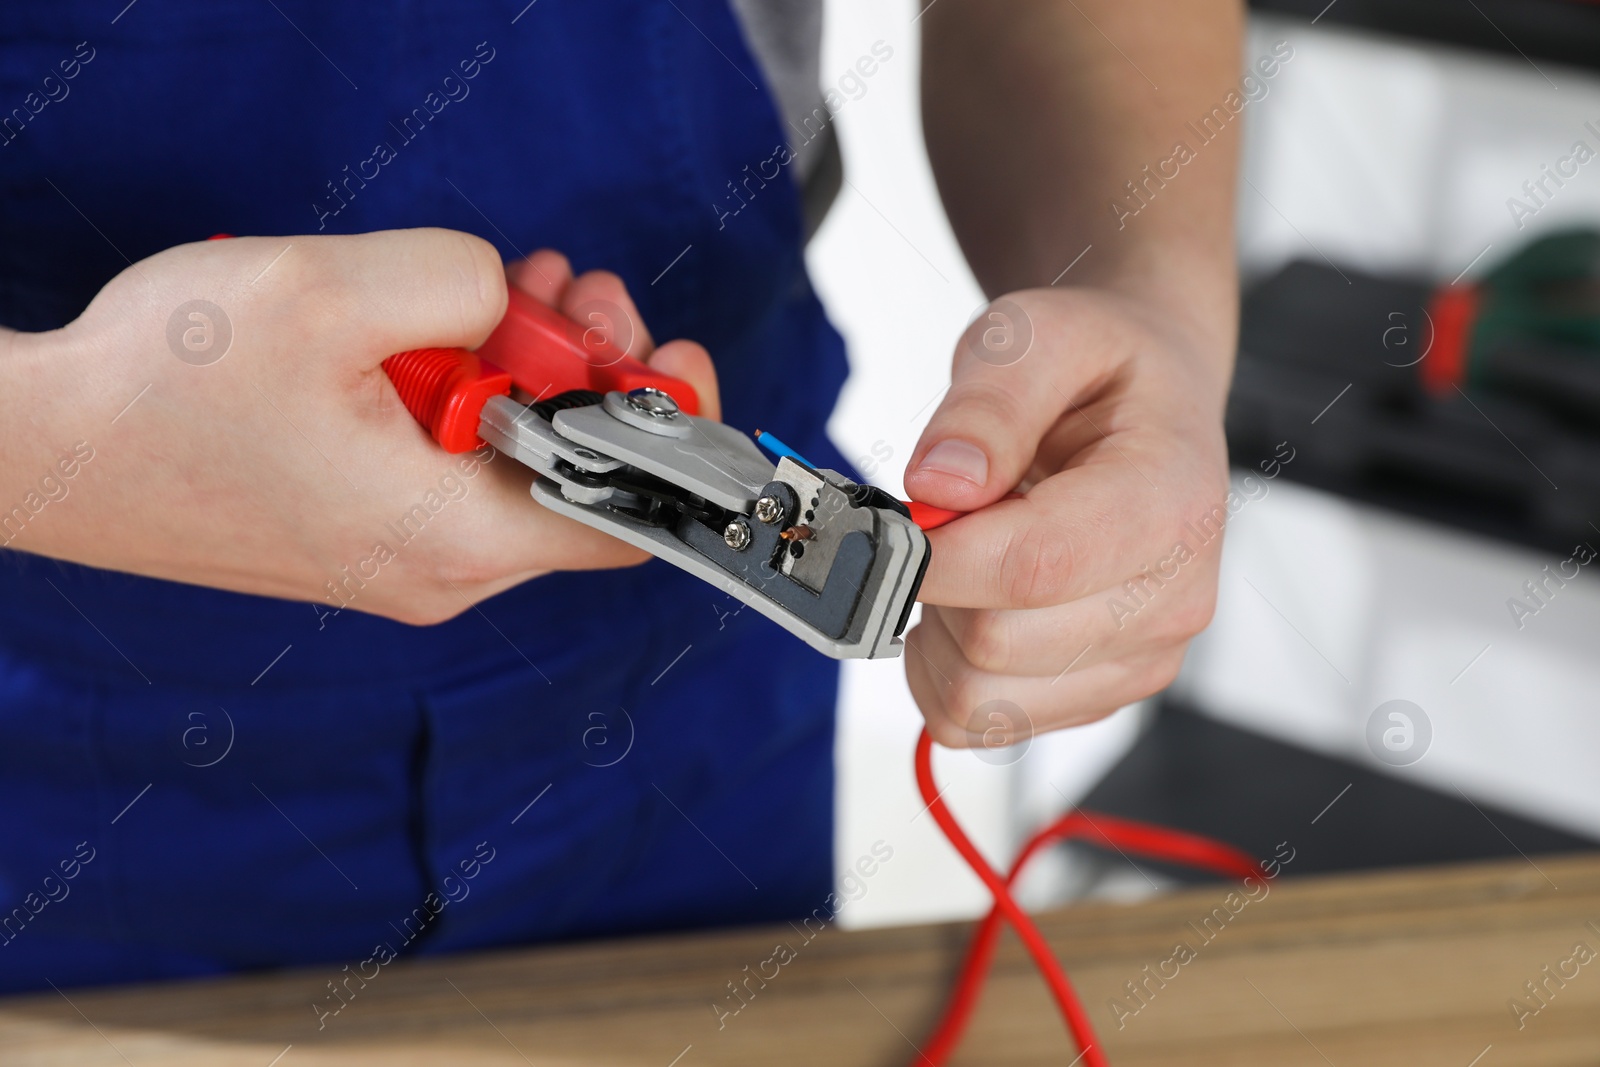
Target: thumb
pixel 1004 396
pixel 691 362
pixel 405 289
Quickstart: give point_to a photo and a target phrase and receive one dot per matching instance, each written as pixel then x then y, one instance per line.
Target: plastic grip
pixel 548 353
pixel 929 517
pixel 535 347
pixel 445 390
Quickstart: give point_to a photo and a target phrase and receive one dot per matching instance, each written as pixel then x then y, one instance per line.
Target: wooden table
pixel 1413 968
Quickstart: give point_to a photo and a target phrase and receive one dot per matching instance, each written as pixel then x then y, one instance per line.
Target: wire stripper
pixel 622 448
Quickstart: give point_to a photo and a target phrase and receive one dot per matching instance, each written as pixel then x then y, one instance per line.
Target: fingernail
pixel 959 458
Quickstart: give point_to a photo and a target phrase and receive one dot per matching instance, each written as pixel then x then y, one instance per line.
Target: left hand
pixel 1111 425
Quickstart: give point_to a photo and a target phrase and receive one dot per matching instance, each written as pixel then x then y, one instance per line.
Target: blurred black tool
pixel 1468 405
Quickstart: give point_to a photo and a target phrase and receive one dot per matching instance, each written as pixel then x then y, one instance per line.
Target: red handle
pixel 445 390
pixel 547 353
pixel 537 348
pixel 931 518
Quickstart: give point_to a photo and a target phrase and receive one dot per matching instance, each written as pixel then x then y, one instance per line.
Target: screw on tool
pixel 737 536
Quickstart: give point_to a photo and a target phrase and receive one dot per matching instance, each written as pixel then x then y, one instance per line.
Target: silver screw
pixel 653 402
pixel 769 509
pixel 737 536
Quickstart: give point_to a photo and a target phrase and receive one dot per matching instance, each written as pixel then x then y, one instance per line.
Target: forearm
pixel 1036 123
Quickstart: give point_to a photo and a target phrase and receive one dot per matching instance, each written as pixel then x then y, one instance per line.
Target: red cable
pixel 1049 967
pixel 1173 846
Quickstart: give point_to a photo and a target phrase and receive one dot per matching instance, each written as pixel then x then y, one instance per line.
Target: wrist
pixel 1188 289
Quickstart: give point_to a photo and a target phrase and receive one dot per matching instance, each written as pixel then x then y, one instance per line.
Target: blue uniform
pixel 195 781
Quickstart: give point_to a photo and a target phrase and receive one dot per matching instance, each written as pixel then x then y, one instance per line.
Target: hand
pixel 284 463
pixel 1111 424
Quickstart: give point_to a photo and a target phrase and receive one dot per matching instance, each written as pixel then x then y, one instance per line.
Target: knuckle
pixel 1161 674
pixel 279 265
pixel 946 731
pixel 1191 615
pixel 978 401
pixel 1036 565
pixel 1175 619
pixel 548 261
pixel 429 609
pixel 986 640
pixel 315 290
pixel 481 290
pixel 605 279
pixel 968 691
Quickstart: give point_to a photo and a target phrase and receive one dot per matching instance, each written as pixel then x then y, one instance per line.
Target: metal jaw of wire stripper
pixel 834 562
pixel 619 447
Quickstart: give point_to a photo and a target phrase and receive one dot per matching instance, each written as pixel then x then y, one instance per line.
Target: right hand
pixel 290 458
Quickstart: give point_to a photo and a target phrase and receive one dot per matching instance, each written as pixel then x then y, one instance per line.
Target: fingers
pixel 954 695
pixel 691 362
pixel 1006 392
pixel 1078 597
pixel 1141 616
pixel 503 537
pixel 544 276
pixel 1092 526
pixel 526 540
pixel 399 289
pixel 431 602
pixel 597 300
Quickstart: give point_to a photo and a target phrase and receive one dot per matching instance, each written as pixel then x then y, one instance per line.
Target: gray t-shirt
pixel 786 37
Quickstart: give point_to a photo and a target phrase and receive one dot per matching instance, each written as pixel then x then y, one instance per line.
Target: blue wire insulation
pixel 771 443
